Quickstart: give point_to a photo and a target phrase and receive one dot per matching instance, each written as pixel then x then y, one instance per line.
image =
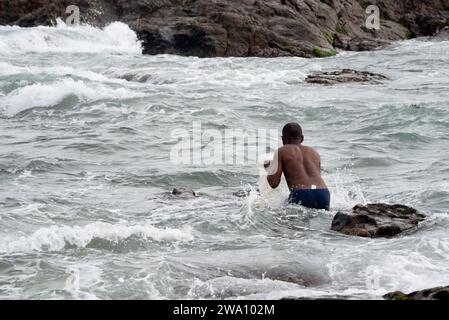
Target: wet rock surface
pixel 377 220
pixel 346 76
pixel 184 192
pixel 222 28
pixel 439 293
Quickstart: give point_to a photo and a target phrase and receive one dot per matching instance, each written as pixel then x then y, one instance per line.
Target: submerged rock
pixel 440 293
pixel 142 78
pixel 345 76
pixel 183 192
pixel 244 193
pixel 377 220
pixel 241 193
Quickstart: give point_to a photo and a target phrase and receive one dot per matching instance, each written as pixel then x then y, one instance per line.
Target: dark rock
pixel 440 293
pixel 267 28
pixel 365 44
pixel 45 12
pixel 358 43
pixel 303 274
pixel 244 193
pixel 377 220
pixel 183 192
pixel 442 35
pixel 142 78
pixel 241 194
pixel 345 76
pixel 426 23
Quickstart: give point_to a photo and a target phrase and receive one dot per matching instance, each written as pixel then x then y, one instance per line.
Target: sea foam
pixel 56 238
pixel 49 95
pixel 7 69
pixel 116 38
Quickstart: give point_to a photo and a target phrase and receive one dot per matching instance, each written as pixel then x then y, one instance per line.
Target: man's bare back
pixel 301 166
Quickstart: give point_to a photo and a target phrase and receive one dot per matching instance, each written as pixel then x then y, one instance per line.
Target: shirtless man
pixel 301 166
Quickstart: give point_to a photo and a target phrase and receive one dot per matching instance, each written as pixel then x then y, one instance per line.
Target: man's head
pixel 292 133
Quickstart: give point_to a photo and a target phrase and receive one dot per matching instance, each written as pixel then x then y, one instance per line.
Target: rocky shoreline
pixel 223 28
pixel 439 293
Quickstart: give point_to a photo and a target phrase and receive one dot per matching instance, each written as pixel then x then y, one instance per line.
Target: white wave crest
pixel 116 38
pixel 56 238
pixel 48 95
pixel 7 69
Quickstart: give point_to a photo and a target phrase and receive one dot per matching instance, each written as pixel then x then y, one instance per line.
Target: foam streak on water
pixel 85 139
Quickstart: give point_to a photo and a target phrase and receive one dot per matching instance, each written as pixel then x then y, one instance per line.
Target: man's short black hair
pixel 292 131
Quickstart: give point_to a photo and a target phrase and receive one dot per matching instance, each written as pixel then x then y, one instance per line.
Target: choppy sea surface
pixel 86 127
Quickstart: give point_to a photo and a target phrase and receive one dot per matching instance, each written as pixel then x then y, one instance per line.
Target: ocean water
pixel 86 127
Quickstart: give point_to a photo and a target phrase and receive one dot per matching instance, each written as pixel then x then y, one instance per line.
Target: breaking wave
pixel 48 95
pixel 56 238
pixel 116 38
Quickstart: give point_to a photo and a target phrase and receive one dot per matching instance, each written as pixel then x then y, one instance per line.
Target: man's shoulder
pixel 310 150
pixel 286 148
pixel 289 151
pixel 282 151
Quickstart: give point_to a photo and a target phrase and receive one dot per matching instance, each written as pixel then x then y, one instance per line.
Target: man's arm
pixel 319 161
pixel 275 170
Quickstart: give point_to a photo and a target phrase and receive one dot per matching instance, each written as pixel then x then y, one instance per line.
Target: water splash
pixel 72 283
pixel 52 94
pixel 56 238
pixel 116 38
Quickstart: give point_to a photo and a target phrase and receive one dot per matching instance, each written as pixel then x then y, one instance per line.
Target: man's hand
pixel 267 164
pixel 274 169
